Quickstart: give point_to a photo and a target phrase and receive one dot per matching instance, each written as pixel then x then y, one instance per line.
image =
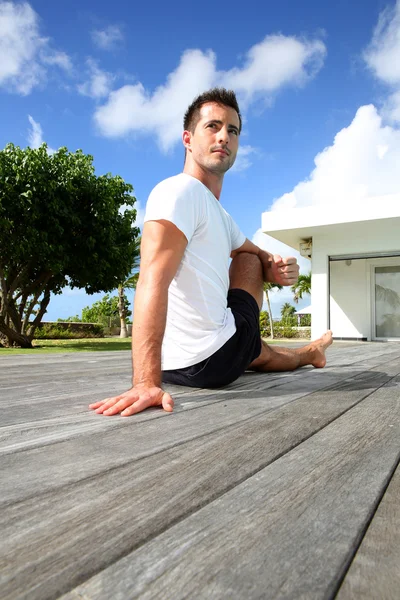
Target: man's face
pixel 214 143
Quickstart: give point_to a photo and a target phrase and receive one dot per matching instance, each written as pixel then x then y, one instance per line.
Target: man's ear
pixel 187 139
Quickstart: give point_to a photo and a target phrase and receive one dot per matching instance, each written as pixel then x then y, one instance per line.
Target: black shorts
pixel 230 361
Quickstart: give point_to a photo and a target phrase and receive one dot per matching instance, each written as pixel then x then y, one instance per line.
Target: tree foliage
pixel 287 310
pixel 60 224
pixel 105 311
pixel 302 286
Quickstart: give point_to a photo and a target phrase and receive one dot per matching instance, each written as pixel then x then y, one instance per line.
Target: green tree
pixel 287 310
pixel 105 311
pixel 74 319
pixel 302 286
pixel 130 284
pixel 269 287
pixel 60 225
pixel 288 318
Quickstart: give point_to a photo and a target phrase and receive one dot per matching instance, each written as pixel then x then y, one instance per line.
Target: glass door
pixel 387 302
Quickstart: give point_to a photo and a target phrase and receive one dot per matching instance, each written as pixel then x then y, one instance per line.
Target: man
pixel 196 319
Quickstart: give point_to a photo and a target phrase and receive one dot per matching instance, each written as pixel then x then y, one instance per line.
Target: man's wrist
pixel 147 383
pixel 266 260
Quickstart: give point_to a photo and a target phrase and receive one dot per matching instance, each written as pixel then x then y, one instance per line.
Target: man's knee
pixel 246 273
pixel 245 263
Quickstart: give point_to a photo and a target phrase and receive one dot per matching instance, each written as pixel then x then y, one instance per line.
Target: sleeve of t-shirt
pixel 237 236
pixel 180 206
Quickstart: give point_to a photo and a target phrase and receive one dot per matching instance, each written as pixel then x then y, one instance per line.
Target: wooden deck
pixel 279 486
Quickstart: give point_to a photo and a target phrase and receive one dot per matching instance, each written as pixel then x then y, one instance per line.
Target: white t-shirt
pixel 198 319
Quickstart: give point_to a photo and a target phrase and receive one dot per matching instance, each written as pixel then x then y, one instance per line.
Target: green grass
pixel 81 345
pixel 98 345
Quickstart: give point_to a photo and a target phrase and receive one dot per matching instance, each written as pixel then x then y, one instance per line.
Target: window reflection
pixel 387 301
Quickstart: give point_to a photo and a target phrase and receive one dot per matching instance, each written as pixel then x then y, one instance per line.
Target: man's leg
pixel 246 273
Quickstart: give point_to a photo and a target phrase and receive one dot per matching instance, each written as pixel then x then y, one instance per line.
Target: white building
pixel 355 264
pixel 303 311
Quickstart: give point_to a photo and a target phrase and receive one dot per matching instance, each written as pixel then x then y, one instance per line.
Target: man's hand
pixel 283 271
pixel 134 401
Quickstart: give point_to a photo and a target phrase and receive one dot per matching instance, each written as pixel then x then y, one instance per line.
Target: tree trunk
pixel 15 333
pixel 271 323
pixel 124 329
pixel 9 338
pixel 122 312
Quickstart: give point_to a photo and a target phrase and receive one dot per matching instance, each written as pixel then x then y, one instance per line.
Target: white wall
pixel 349 304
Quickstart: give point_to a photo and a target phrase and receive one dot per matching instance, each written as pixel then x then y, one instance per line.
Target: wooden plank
pixel 375 570
pixel 55 388
pixel 59 398
pixel 213 411
pixel 62 414
pixel 286 532
pixel 54 536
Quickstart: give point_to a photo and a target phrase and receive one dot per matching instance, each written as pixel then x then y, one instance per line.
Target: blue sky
pixel 318 83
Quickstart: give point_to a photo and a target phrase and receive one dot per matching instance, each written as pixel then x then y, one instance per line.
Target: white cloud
pixel 275 62
pixel 99 82
pixel 24 52
pixel 60 59
pixel 35 135
pixel 131 108
pixel 243 160
pixel 363 162
pixel 107 38
pixel 383 57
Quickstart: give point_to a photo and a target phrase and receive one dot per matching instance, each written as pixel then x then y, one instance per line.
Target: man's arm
pixel 283 271
pixel 162 249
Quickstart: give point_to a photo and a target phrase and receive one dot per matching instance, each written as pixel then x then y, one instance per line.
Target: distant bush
pixel 281 331
pixel 265 329
pixel 74 319
pixel 288 321
pixel 68 331
pixel 284 331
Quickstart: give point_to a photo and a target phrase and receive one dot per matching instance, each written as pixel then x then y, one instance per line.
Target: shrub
pixel 291 332
pixel 288 321
pixel 285 331
pixel 265 329
pixel 68 331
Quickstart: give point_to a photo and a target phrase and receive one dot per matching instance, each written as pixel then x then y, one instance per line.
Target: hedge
pixel 281 332
pixel 59 331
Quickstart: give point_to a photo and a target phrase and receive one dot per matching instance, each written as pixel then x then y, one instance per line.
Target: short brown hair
pixel 218 95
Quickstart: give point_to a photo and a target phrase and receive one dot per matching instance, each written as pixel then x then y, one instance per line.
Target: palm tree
pixel 130 283
pixel 303 286
pixel 287 310
pixel 269 287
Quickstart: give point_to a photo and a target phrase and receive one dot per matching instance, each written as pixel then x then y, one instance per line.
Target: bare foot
pixel 318 348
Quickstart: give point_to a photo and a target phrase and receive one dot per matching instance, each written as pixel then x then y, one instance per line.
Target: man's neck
pixel 211 180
